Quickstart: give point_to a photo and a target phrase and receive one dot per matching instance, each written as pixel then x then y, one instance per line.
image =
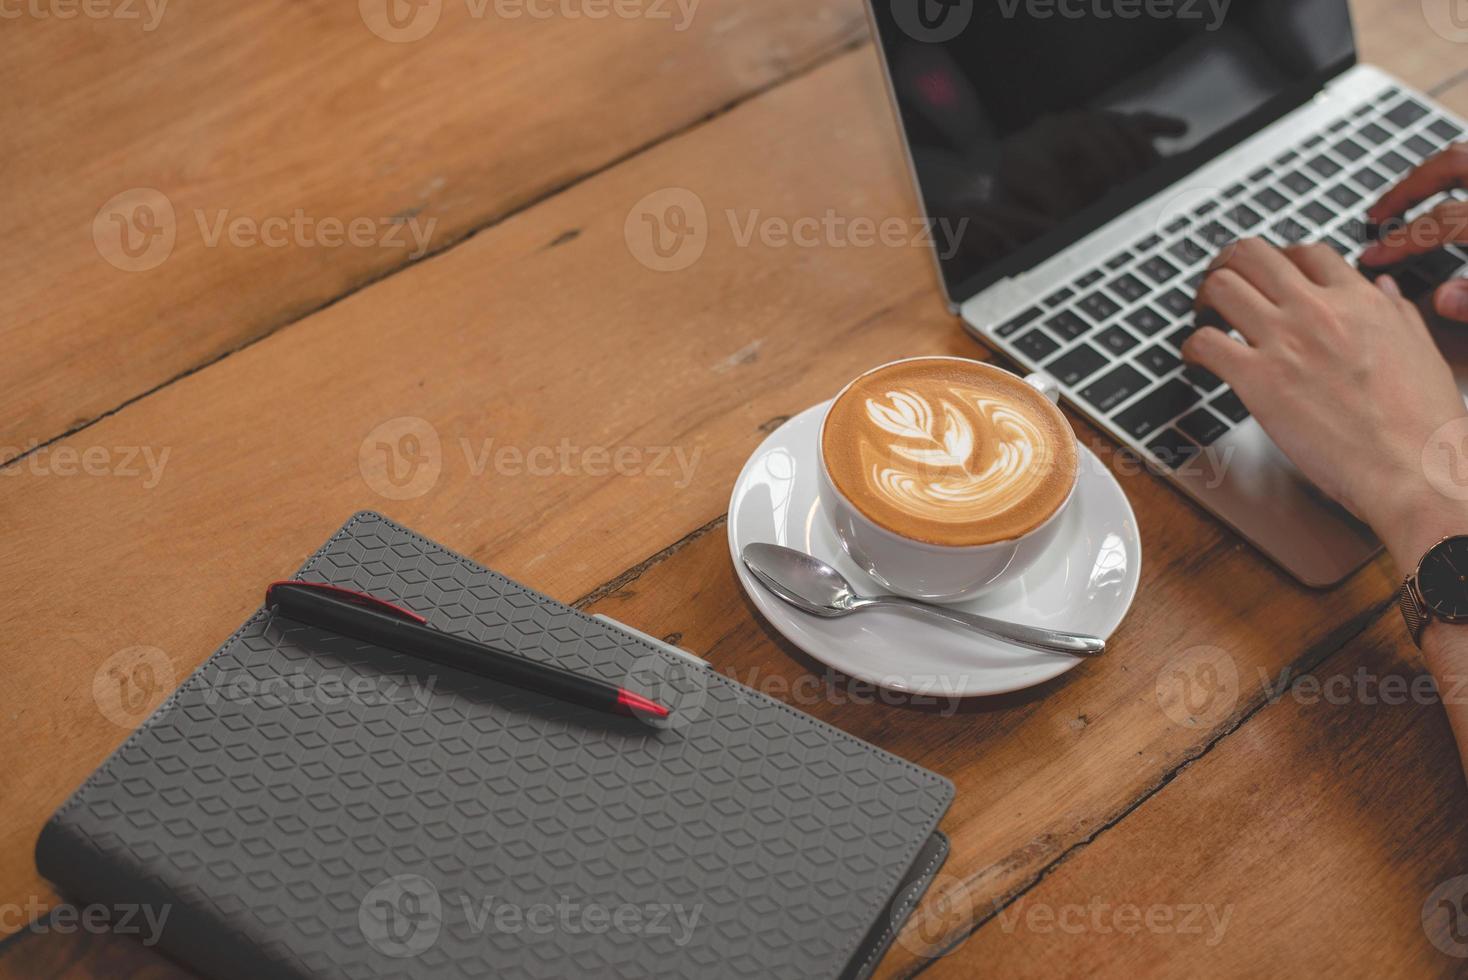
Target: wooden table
pixel 190 416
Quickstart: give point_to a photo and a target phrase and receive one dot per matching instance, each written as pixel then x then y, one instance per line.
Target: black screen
pixel 1032 122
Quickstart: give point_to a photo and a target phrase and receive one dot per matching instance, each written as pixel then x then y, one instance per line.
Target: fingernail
pixel 1389 286
pixel 1452 300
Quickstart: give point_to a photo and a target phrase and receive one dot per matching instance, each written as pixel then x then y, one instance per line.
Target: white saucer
pixel 1085 584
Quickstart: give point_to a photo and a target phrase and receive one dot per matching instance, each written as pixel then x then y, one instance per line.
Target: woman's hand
pixel 1343 375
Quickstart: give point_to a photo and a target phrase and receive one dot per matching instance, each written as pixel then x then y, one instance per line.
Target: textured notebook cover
pixel 307 805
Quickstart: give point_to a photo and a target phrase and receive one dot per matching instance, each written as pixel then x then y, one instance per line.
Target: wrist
pixel 1417 521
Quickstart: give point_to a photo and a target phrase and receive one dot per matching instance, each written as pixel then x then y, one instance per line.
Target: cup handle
pixel 1045 385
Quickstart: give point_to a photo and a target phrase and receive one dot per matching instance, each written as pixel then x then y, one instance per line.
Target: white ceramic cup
pixel 934 572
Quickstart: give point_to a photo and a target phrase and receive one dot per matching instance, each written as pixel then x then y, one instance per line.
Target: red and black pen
pixel 373 620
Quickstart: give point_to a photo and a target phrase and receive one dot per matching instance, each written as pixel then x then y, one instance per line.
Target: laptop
pixel 1080 162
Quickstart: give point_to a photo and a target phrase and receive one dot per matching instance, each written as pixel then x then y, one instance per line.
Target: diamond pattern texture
pixel 324 808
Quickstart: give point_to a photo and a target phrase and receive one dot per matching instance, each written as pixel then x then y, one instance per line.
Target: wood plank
pixel 1315 835
pixel 260 111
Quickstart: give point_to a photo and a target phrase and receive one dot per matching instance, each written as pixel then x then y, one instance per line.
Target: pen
pixel 373 620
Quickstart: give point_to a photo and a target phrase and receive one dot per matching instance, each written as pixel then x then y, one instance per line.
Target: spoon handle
pixel 1032 637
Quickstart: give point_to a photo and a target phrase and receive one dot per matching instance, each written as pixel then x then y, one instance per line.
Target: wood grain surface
pixel 539 339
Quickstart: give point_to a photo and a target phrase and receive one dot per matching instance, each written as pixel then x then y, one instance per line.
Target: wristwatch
pixel 1438 589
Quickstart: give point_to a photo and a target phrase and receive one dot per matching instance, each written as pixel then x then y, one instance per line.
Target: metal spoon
pixel 810 584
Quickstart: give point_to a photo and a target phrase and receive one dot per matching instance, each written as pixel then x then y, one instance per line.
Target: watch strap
pixel 1414 610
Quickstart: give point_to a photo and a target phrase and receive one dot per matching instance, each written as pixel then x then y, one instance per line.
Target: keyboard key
pixel 1338 125
pixel 1118 260
pixel 1146 320
pixel 1289 232
pixel 1099 307
pixel 1180 335
pixel 1230 406
pixel 1177 302
pixel 1394 162
pixel 1375 133
pixel 1314 141
pixel 1117 340
pixel 1159 360
pixel 1158 269
pixel 1077 365
pixel 1325 166
pixel 1037 345
pixel 1207 207
pixel 1058 297
pixel 1271 200
pixel 1422 147
pixel 1369 179
pixel 1289 156
pixel 1297 182
pixel 1362 110
pixel 1173 449
pixel 1261 174
pixel 1318 214
pixel 1342 248
pixel 1216 234
pixel 1157 409
pixel 1089 279
pixel 1406 113
pixel 1203 427
pixel 1128 287
pixel 1243 216
pixel 1349 149
pixel 1187 251
pixel 1343 195
pixel 1203 379
pixel 1012 327
pixel 1148 244
pixel 1110 390
pixel 1195 281
pixel 1178 225
pixel 1445 130
pixel 1234 191
pixel 1067 324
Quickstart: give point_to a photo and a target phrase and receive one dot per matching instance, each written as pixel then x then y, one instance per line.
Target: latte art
pixel 949 451
pixel 972 458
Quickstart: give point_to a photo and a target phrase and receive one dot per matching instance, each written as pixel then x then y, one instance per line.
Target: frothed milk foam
pixel 950 452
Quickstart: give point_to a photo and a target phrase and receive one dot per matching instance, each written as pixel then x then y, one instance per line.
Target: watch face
pixel 1442 578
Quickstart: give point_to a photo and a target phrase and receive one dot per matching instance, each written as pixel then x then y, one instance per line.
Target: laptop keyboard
pixel 1113 336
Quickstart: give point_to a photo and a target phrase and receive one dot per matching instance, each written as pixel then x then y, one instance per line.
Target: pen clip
pixel 362 599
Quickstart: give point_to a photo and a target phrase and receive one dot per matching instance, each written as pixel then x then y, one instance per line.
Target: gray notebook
pixel 308 805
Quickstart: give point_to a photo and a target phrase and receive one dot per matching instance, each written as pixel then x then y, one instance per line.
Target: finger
pixel 1238 303
pixel 1447 170
pixel 1216 351
pixel 1265 268
pixel 1443 225
pixel 1322 265
pixel 1451 300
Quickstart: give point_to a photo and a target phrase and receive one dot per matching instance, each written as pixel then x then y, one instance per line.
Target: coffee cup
pixel 944 477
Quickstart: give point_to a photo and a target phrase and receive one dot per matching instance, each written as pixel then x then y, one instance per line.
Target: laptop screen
pixel 1033 122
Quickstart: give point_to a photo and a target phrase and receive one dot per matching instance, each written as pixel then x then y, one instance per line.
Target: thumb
pixel 1451 300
